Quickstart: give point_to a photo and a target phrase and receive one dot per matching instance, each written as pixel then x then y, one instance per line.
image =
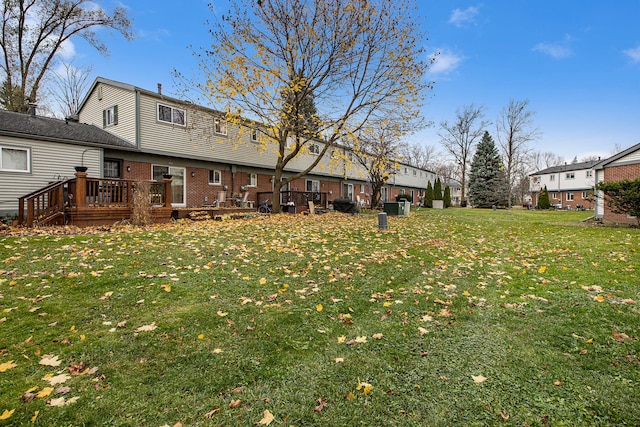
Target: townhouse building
pixel 145 135
pixel 570 186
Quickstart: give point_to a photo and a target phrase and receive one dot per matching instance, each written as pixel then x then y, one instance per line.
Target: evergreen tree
pixel 437 190
pixel 543 199
pixel 447 197
pixel 487 180
pixel 428 196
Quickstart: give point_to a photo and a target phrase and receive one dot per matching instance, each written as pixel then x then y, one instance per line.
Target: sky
pixel 577 62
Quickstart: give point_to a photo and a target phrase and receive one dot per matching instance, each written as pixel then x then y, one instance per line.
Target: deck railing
pixel 51 203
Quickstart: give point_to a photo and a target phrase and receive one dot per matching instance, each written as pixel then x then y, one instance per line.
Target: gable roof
pixel 568 167
pixel 22 125
pixel 615 157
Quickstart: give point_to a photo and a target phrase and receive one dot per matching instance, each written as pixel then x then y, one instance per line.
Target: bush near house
pixel 623 197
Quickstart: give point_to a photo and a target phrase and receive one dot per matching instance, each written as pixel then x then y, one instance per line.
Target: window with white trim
pixel 570 175
pixel 589 174
pixel 314 148
pixel 110 116
pixel 15 159
pixel 252 180
pixel 585 195
pixel 215 177
pixel 173 115
pixel 254 135
pixel 569 197
pixel 220 126
pixel 361 188
pixel 312 185
pixel 554 196
pixel 552 178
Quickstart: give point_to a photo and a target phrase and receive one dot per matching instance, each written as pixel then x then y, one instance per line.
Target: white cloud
pixel 461 17
pixel 557 50
pixel 67 50
pixel 633 54
pixel 444 62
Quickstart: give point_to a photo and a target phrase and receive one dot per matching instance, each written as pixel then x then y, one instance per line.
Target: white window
pixel 252 179
pixel 110 116
pixel 215 177
pixel 552 178
pixel 172 115
pixel 536 179
pixel 415 172
pixel 554 196
pixel 589 174
pixel 569 197
pixel 406 171
pixel 14 159
pixel 220 126
pixel 570 175
pixel 585 195
pixel 314 149
pixel 361 188
pixel 313 185
pixel 254 135
pixel 178 189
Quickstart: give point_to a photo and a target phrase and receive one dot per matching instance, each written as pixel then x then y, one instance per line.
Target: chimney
pixel 32 109
pixel 159 88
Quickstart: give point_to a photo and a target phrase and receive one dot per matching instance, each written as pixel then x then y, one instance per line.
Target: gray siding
pixel 111 95
pixel 49 161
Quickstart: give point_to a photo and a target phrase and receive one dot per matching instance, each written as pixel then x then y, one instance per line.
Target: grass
pixel 486 318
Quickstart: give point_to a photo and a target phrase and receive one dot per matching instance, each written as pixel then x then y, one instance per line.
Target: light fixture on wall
pixel 193 174
pixel 128 168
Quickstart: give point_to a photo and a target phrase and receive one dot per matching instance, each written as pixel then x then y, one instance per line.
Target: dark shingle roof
pixel 568 167
pixel 68 131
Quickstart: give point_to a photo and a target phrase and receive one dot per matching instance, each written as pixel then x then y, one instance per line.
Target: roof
pixel 22 125
pixel 603 163
pixel 568 167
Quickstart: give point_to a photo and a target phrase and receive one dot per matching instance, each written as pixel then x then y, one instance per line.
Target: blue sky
pixel 576 61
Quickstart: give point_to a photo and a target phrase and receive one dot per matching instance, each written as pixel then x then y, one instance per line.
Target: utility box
pixel 394 208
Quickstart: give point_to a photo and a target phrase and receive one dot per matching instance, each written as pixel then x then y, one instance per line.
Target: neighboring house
pixel 570 186
pixel 624 165
pixel 35 151
pixel 130 133
pixel 455 190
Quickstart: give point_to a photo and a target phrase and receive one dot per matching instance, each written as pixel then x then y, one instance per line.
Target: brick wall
pixel 619 173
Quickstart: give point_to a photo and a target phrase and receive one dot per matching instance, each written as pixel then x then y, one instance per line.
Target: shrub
pixel 141 214
pixel 428 196
pixel 447 197
pixel 543 199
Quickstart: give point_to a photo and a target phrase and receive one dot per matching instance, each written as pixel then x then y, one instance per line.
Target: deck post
pixel 80 197
pixel 167 191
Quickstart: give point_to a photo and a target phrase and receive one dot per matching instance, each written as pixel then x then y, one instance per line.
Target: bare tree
pixel 459 138
pixel 69 86
pixel 359 61
pixel 33 32
pixel 540 160
pixel 514 131
pixel 377 148
pixel 590 158
pixel 419 155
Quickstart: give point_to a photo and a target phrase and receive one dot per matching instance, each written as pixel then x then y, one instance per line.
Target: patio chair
pixel 222 199
pixel 246 202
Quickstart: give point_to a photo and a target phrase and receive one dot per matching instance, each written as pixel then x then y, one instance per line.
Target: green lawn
pixel 456 317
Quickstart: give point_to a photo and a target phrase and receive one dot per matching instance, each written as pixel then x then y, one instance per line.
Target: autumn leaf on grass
pixel 365 387
pixel 377 336
pixel 542 269
pixel 358 340
pixel 267 418
pixel 321 405
pixel 478 379
pixel 61 401
pixel 235 403
pixel 423 331
pixel 621 336
pixel 319 307
pixel 6 414
pixel 146 328
pixel 222 313
pixel 106 295
pixel 167 288
pixel 7 365
pixel 45 392
pixel 58 379
pixel 49 360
